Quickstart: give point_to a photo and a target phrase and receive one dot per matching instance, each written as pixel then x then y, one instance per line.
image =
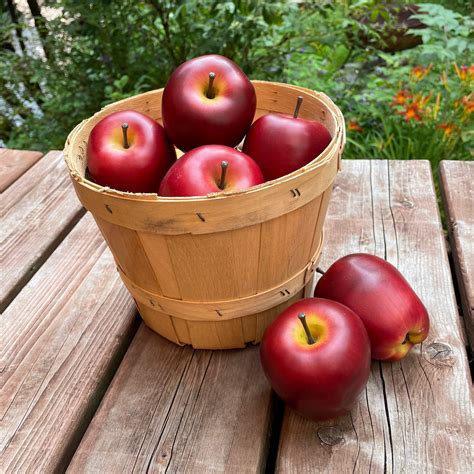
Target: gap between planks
pixel 65 335
pixel 38 211
pixel 456 184
pixel 176 409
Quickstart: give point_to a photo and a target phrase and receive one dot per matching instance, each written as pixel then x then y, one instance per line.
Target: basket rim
pixel 336 144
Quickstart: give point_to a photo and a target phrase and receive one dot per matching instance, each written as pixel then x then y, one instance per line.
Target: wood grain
pixel 37 211
pixel 13 163
pixel 175 409
pixel 457 187
pixel 416 414
pixel 63 337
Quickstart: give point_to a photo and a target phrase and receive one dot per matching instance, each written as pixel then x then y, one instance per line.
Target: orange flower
pixel 401 97
pixel 353 126
pixel 421 100
pixel 419 72
pixel 411 112
pixel 467 103
pixel 464 72
pixel 448 128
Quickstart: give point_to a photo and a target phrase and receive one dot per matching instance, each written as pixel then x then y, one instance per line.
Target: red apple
pixel 394 316
pixel 208 100
pixel 129 151
pixel 316 355
pixel 281 144
pixel 210 169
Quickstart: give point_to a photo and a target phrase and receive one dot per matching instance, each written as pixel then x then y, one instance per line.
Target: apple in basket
pixel 281 144
pixel 316 355
pixel 129 151
pixel 210 169
pixel 208 100
pixel 394 316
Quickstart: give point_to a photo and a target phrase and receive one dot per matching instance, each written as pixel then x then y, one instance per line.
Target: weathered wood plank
pixel 416 414
pixel 13 163
pixel 37 211
pixel 457 187
pixel 62 338
pixel 181 410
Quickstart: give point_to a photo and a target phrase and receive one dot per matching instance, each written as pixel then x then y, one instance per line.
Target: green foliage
pixel 103 51
pixel 434 122
pixel 448 35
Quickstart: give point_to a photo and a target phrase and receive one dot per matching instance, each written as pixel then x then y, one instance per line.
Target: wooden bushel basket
pixel 214 271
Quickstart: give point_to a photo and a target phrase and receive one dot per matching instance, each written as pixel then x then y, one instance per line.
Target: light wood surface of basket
pixel 214 271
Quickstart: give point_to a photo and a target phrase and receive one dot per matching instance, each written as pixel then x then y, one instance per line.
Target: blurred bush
pixel 95 52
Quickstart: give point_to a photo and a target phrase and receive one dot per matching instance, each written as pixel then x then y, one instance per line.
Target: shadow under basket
pixel 215 271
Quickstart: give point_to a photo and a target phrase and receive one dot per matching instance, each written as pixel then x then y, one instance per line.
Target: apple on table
pixel 129 151
pixel 393 314
pixel 210 169
pixel 316 355
pixel 281 144
pixel 208 100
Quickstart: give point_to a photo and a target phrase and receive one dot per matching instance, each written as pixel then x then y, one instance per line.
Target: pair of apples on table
pixel 317 353
pixel 208 106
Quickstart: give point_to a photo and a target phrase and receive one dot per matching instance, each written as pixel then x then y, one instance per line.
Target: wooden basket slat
pixel 249 327
pixel 182 330
pixel 216 266
pixel 159 322
pixel 156 248
pixel 215 271
pixel 322 211
pixel 129 254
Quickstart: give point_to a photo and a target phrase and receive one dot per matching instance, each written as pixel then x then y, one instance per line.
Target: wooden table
pixel 86 387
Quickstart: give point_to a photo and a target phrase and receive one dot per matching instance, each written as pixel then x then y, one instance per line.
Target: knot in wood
pixel 440 354
pixel 407 203
pixel 330 435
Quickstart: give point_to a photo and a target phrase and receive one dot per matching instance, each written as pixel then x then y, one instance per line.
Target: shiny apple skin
pixel 139 168
pixel 198 172
pixel 375 290
pixel 191 119
pixel 322 380
pixel 281 144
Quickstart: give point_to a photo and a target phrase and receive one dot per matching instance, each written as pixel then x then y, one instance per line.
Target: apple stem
pixel 321 272
pixel 210 92
pixel 302 318
pixel 125 138
pixel 299 101
pixel 224 166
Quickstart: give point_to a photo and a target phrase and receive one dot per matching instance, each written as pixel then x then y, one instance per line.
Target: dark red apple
pixel 281 144
pixel 208 100
pixel 316 355
pixel 129 151
pixel 394 316
pixel 210 169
